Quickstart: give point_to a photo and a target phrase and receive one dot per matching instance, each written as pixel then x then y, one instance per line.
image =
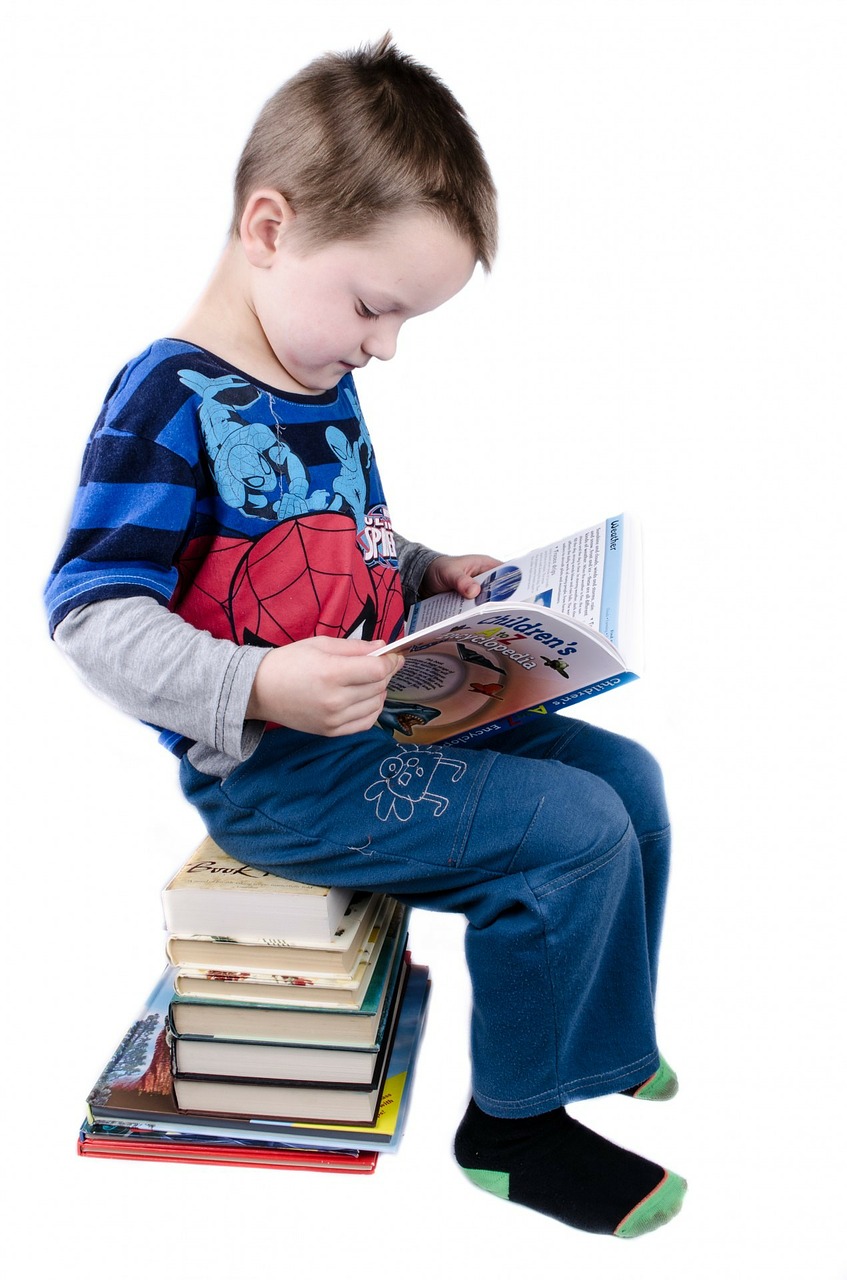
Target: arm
pixel 414 560
pixel 154 665
pixel 425 572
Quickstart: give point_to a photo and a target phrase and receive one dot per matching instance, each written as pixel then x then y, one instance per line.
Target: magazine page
pixel 466 676
pixel 580 576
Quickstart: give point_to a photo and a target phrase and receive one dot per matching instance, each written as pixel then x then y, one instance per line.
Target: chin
pixel 314 383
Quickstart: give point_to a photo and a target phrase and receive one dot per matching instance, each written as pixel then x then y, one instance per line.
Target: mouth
pixel 408 721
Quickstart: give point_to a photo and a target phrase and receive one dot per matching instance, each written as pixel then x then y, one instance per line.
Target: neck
pixel 223 321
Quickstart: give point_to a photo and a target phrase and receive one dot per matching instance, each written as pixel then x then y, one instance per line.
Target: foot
pixel 555 1165
pixel 659 1087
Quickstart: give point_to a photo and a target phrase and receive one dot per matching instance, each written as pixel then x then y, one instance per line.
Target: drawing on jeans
pixel 405 783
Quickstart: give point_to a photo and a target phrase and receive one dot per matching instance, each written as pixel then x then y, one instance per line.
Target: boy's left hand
pixel 456 573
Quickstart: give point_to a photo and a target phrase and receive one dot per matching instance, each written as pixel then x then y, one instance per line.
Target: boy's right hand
pixel 323 685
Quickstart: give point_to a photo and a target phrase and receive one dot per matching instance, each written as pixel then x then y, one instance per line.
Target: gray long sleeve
pixel 154 665
pixel 414 560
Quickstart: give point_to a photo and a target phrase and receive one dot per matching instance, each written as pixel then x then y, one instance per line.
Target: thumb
pixel 356 647
pixel 466 586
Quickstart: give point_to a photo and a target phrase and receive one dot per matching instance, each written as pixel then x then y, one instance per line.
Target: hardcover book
pixel 288 1099
pixel 293 976
pixel 228 1020
pixel 547 630
pixel 217 896
pixel 291 990
pixel 340 957
pixel 254 1060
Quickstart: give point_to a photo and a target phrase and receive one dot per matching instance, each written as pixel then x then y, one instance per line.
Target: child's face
pixel 327 310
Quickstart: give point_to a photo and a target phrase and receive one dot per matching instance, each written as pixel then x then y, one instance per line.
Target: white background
pixel 664 332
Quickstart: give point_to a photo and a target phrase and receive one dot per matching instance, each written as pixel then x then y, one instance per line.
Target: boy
pixel 231 572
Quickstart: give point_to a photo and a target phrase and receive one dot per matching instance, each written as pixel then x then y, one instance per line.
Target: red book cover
pixel 253 1154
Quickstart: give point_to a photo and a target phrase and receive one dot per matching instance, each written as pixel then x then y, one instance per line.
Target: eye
pixel 365 312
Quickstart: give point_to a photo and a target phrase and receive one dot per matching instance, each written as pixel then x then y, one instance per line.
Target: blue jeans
pixel 555 846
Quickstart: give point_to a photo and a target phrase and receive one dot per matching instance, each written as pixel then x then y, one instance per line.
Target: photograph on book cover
pixel 661 334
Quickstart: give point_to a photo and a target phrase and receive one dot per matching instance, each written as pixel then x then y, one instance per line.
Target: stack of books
pixel 283 1032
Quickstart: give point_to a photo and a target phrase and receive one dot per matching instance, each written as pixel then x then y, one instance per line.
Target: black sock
pixel 555 1165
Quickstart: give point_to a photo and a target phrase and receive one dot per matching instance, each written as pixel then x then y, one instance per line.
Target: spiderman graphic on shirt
pixel 324 562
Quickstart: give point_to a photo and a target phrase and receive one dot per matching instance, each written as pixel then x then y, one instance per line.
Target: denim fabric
pixel 555 847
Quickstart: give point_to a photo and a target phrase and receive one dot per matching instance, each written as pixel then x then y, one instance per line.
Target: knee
pixel 576 824
pixel 641 786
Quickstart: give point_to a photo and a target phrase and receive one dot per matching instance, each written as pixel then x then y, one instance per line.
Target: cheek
pixel 309 335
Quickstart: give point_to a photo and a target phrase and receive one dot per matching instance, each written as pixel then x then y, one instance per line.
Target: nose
pixel 381 339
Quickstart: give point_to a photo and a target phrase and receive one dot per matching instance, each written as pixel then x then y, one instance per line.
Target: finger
pixel 375 670
pixel 349 647
pixel 360 717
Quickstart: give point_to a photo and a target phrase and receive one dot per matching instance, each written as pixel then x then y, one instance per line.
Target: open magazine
pixel 547 629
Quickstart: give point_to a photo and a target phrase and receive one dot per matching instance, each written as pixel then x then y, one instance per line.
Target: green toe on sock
pixel 490 1180
pixel 656 1209
pixel 661 1086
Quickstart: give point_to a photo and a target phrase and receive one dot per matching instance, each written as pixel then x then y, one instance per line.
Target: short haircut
pixel 355 137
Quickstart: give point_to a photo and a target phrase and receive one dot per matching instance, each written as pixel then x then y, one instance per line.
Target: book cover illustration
pixel 138 1074
pixel 548 630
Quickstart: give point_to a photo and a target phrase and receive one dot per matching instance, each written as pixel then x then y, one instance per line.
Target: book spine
pixel 555 704
pixel 610 596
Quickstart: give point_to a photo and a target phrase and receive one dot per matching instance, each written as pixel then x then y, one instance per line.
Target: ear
pixel 267 216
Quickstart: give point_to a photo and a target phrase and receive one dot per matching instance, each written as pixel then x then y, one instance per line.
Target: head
pixel 326 310
pixel 362 199
pixel 359 137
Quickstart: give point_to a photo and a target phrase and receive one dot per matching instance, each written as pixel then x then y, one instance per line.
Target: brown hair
pixel 356 136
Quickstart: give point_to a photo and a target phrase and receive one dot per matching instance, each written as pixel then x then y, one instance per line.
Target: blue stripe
pixel 72 589
pixel 155 506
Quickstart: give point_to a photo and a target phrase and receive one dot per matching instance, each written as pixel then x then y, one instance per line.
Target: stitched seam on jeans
pixel 312 842
pixel 551 1095
pixel 654 835
pixel 525 835
pixel 553 754
pixel 608 1077
pixel 558 1031
pixel 582 873
pixel 308 840
pixel 604 1078
pixel 466 819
